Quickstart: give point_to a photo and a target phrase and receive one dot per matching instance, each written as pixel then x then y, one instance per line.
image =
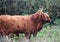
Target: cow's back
pixel 11 24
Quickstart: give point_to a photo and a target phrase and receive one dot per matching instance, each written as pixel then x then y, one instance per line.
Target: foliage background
pixel 22 7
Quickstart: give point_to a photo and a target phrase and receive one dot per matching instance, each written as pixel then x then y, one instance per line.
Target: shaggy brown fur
pixel 28 25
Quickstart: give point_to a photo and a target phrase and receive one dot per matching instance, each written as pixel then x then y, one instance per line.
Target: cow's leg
pixel 27 35
pixel 34 34
pixel 17 34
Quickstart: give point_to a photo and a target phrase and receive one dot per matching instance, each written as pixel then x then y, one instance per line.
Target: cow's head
pixel 44 17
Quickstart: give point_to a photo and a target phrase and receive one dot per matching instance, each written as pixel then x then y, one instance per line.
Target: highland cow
pixel 28 25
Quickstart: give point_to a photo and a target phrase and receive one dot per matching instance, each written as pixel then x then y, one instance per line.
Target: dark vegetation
pixel 22 7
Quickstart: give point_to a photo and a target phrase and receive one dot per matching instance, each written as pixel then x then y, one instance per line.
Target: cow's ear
pixel 42 16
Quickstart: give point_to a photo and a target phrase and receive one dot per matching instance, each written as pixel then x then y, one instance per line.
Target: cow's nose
pixel 50 20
